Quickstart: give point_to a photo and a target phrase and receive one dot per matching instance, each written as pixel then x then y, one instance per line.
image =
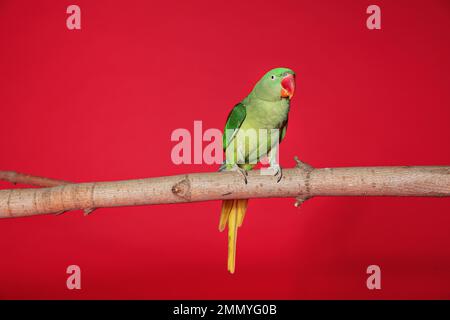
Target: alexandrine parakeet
pixel 253 130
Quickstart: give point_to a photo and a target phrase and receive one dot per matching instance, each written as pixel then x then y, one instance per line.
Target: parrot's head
pixel 277 84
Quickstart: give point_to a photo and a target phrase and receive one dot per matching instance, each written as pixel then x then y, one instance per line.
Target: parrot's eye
pixel 272 77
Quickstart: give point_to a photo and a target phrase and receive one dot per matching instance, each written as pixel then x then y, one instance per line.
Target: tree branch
pixel 301 182
pixel 16 177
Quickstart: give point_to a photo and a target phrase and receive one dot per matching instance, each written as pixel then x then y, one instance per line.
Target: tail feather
pixel 233 213
pixel 242 208
pixel 232 238
pixel 227 206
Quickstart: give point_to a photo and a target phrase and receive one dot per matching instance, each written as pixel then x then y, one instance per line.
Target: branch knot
pixel 306 169
pixel 182 189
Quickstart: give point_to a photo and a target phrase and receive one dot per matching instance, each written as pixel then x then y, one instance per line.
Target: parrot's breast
pixel 253 139
pixel 267 115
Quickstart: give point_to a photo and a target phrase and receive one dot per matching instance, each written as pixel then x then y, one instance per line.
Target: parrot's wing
pixel 283 130
pixel 234 122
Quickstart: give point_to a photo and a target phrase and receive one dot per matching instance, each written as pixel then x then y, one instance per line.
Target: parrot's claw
pixel 244 172
pixel 278 172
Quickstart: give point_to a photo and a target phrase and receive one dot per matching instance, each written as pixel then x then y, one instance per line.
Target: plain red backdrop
pixel 101 103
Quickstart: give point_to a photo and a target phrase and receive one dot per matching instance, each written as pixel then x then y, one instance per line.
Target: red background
pixel 101 103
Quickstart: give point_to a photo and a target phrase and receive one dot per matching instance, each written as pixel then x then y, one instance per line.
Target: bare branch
pixel 301 182
pixel 16 177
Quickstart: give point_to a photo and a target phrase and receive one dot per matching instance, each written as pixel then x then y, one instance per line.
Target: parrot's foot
pixel 242 171
pixel 278 171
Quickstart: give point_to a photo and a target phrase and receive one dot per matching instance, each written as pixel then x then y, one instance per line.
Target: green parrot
pixel 253 130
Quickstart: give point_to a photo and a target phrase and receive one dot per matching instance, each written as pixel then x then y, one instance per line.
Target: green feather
pixel 234 122
pixel 283 130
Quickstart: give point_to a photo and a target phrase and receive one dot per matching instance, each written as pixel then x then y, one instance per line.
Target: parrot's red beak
pixel 288 86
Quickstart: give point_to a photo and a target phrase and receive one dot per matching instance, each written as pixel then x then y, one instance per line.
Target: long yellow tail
pixel 233 213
